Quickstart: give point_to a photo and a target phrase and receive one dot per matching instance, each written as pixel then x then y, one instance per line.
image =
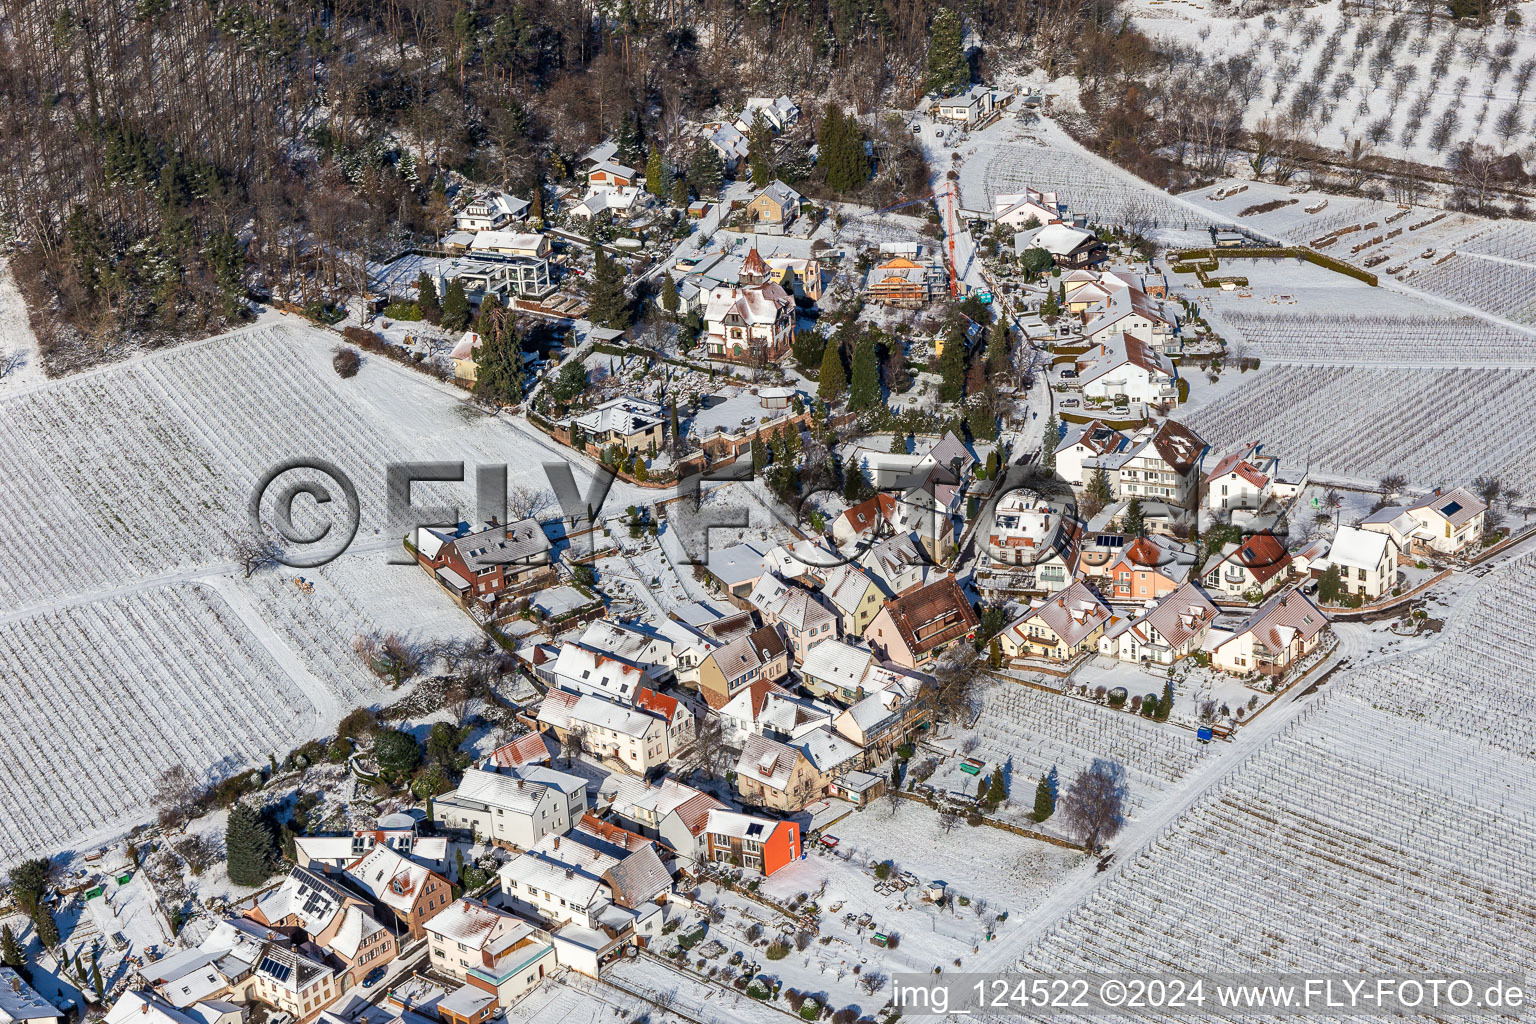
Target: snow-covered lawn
pixel 19 359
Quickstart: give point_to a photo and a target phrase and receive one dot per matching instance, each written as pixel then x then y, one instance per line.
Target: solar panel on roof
pixel 754 829
pixel 1451 508
pixel 277 970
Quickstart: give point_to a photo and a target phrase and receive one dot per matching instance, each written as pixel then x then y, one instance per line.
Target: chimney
pixel 557 842
pixel 16 984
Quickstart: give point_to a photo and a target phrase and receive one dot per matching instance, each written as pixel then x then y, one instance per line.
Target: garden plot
pixel 101 698
pixel 1029 732
pixel 1500 286
pixel 1302 334
pixel 1007 158
pixel 1438 427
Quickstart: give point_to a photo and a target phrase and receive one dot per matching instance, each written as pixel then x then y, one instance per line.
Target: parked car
pixel 1068 374
pixel 917 129
pixel 373 977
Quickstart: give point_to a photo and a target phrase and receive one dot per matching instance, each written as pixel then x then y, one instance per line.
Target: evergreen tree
pixel 808 350
pixel 47 927
pixel 759 456
pixel 670 301
pixel 997 350
pixel 1048 443
pixel 856 485
pixel 706 172
pixel 656 175
pixel 994 654
pixel 1050 308
pixel 898 443
pixel 997 792
pixel 981 423
pixel 1165 706
pixel 840 151
pixel 426 301
pixel 628 139
pixel 536 211
pixel 760 150
pixel 1135 524
pixel 1045 799
pixel 10 950
pixel 680 192
pixel 948 70
pixel 1098 493
pixel 952 367
pixel 677 433
pixel 499 367
pixel 101 991
pixel 833 382
pixel 455 306
pixel 249 847
pixel 607 305
pixel 864 392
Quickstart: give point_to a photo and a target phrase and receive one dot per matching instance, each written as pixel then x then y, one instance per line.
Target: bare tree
pixel 254 552
pixel 176 796
pixel 1388 487
pixel 872 981
pixel 1094 805
pixel 11 360
pixel 948 820
pixel 528 502
pixel 706 750
pixel 572 743
pixel 954 679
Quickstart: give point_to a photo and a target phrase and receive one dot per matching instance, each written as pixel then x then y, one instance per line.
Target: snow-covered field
pixel 1388 828
pixel 131 639
pixel 19 360
pixel 1408 89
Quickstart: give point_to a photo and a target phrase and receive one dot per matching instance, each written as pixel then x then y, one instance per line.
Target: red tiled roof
pixel 1262 555
pixel 650 700
pixel 527 749
pixel 932 615
pixel 694 812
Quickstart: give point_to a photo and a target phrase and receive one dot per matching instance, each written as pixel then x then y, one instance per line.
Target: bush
pixel 346 361
pixel 402 311
pixel 396 751
pixel 777 950
pixel 756 990
pixel 883 870
pixel 811 1010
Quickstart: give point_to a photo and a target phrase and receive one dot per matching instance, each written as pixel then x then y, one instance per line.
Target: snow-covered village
pixel 686 514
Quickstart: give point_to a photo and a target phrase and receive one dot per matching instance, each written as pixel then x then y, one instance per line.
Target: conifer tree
pixel 455 306
pixel 249 846
pixel 948 70
pixel 10 950
pixel 760 150
pixel 656 175
pixel 856 486
pixel 759 456
pixel 1048 443
pixel 607 305
pixel 898 443
pixel 499 367
pixel 997 349
pixel 426 301
pixel 706 172
pixel 997 792
pixel 1135 519
pixel 47 927
pixel 101 991
pixel 833 382
pixel 952 367
pixel 1045 799
pixel 680 192
pixel 864 393
pixel 670 301
pixel 1165 706
pixel 808 350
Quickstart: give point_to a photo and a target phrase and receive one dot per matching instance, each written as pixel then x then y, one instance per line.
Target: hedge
pixel 1210 260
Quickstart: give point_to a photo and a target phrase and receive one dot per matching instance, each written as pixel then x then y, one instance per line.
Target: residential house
pixel 634 424
pixel 914 628
pixel 1131 311
pixel 324 918
pixel 1162 464
pixel 750 322
pixel 521 244
pixel 668 811
pixel 412 893
pixel 465 366
pixel 513 807
pixel 1173 628
pixel 1366 560
pixel 799 614
pixel 929 508
pixel 590 882
pixel 836 668
pixel 490 211
pixel 865 522
pixel 787 776
pixel 780 112
pixel 732 667
pixel 1146 569
pixel 759 844
pixel 485 566
pixel 1060 627
pixel 891 711
pixel 1438 524
pixel 774 209
pixel 610 174
pixel 767 709
pixel 736 569
pixel 1069 246
pixel 898 564
pixel 1086 447
pixel 1254 565
pixel 489 951
pixel 968 108
pixel 1241 480
pixel 21 1004
pixel 1124 369
pixel 1016 210
pixel 582 670
pixel 1285 629
pixel 1024 528
pixel 800 276
pixel 855 598
pixel 637 737
pixel 730 142
pixel 326 853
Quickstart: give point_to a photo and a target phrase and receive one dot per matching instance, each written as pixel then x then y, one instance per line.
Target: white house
pixel 515 807
pixel 1440 523
pixel 1174 627
pixel 20 1003
pixel 1286 628
pixel 1016 209
pixel 1124 366
pixel 1241 480
pixel 1366 560
pixel 969 107
pixel 490 211
pixel 780 113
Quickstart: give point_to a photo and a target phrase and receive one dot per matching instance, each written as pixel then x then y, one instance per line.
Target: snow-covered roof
pixel 356 926
pixel 767 761
pixel 753 305
pixel 1358 549
pixel 1057 239
pixel 478 926
pixel 390 878
pixel 796 608
pixel 623 416
pixel 529 243
pixel 20 1002
pixel 826 750
pixel 1072 614
pixel 836 662
pixel 741 826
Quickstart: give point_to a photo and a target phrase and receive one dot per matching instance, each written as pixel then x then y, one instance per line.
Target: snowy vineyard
pixel 100 698
pixel 1036 731
pixel 1362 841
pixel 1506 290
pixel 1106 194
pixel 1478 682
pixel 1437 427
pixel 1366 339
